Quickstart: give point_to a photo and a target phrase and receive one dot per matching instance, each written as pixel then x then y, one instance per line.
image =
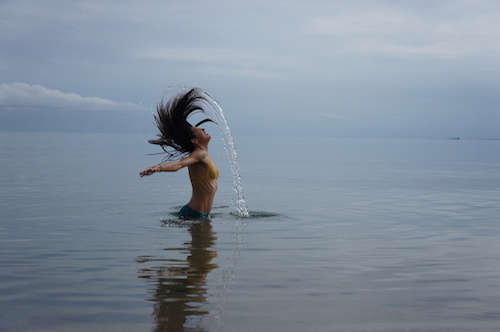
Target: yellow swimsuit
pixel 211 174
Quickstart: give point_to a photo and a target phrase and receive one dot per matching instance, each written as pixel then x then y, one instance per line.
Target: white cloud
pixel 221 61
pixel 369 23
pixel 407 31
pixel 24 96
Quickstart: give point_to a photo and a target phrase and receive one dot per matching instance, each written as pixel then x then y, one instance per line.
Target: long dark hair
pixel 171 119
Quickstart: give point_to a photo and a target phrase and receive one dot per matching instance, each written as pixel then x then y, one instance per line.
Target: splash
pixel 214 111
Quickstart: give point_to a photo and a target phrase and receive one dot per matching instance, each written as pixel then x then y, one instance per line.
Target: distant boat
pixel 454 138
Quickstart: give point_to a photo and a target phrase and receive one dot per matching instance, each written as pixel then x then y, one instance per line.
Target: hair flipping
pixel 171 119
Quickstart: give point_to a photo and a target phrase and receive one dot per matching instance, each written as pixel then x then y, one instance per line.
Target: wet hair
pixel 171 119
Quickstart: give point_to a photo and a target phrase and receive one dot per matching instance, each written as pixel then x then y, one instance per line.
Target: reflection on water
pixel 383 235
pixel 178 286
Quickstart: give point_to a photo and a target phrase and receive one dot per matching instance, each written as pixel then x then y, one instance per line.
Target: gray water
pixel 343 235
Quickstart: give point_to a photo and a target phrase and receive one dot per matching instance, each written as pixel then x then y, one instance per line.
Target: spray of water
pixel 214 111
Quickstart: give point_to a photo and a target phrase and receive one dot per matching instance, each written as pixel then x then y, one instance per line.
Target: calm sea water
pixel 344 235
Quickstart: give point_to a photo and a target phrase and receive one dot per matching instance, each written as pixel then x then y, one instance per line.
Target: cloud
pixel 26 107
pixel 223 61
pixel 23 96
pixel 332 116
pixel 411 31
pixel 358 60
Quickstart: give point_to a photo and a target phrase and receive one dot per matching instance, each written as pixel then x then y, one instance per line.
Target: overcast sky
pixel 377 68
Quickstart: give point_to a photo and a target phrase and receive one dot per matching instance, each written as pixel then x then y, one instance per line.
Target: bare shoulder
pixel 198 155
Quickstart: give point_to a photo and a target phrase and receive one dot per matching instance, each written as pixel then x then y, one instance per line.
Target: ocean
pixel 343 235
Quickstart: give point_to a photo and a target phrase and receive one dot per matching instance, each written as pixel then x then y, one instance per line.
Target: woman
pixel 178 138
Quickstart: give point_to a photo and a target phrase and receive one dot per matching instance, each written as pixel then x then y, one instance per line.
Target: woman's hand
pixel 150 170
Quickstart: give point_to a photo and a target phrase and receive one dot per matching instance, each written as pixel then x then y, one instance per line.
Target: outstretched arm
pixel 167 167
pixel 174 166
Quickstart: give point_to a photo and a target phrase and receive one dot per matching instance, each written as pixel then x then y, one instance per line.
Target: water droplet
pixel 214 111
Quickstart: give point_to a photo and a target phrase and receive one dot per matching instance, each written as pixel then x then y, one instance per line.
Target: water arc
pixel 214 112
